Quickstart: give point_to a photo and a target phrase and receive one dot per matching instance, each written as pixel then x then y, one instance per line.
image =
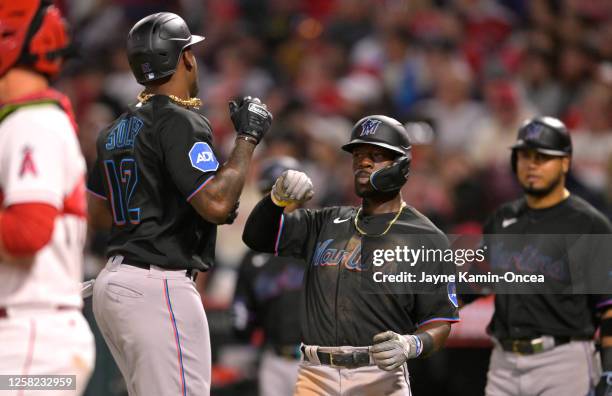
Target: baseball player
pixel 42 209
pixel 356 342
pixel 159 176
pixel 543 337
pixel 267 296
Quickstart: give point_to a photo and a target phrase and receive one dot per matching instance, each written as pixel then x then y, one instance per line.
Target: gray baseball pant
pixel 570 369
pixel 155 326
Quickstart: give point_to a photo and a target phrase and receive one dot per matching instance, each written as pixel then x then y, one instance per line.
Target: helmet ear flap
pixel 393 177
pixel 513 161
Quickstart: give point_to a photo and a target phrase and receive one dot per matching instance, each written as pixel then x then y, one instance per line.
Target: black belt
pixel 530 346
pixel 287 351
pixel 190 273
pixel 339 359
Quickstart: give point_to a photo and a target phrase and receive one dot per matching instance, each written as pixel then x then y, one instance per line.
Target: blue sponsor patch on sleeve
pixel 203 158
pixel 451 288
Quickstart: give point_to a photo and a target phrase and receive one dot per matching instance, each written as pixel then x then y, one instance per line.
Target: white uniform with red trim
pixel 43 331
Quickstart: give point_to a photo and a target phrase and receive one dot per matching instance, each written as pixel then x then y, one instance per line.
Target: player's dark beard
pixel 364 191
pixel 370 192
pixel 542 192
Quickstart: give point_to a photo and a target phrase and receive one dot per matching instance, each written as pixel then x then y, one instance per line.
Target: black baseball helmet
pixel 272 168
pixel 381 131
pixel 389 133
pixel 155 44
pixel 547 135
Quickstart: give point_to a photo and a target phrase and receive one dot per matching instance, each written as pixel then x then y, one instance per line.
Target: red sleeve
pixel 26 228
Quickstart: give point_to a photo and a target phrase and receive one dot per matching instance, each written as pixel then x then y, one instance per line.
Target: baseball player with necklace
pixel 42 210
pixel 158 177
pixel 356 342
pixel 543 337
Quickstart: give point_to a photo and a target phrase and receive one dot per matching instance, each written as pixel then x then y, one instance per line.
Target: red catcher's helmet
pixel 33 34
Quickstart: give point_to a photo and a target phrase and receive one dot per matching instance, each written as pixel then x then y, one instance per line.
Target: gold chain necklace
pixel 191 102
pixel 362 232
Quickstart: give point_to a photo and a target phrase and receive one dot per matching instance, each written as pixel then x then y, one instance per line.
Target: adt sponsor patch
pixel 203 158
pixel 451 288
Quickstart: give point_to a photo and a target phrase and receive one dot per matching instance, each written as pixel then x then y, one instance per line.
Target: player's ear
pixel 565 164
pixel 188 59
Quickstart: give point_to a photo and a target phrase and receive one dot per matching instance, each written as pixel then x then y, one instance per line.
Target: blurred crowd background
pixel 463 75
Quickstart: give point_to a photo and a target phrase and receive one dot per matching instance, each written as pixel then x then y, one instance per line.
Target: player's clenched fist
pixel 292 187
pixel 250 117
pixel 391 350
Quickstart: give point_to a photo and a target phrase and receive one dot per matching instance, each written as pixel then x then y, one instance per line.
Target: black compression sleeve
pixel 261 229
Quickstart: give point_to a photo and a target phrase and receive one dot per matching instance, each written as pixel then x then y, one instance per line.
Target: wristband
pixel 419 346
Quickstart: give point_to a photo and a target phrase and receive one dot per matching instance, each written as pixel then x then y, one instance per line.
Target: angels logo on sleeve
pixel 203 158
pixel 27 163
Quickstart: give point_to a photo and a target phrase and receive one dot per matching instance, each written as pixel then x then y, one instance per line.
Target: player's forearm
pixel 433 336
pixel 262 226
pixel 217 200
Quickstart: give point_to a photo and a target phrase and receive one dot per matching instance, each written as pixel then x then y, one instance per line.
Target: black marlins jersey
pixel 341 303
pixel 267 296
pixel 569 246
pixel 151 162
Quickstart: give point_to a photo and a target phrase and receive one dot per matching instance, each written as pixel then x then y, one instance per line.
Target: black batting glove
pixel 250 117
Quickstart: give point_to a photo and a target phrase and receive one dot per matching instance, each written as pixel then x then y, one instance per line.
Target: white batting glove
pixel 391 350
pixel 292 187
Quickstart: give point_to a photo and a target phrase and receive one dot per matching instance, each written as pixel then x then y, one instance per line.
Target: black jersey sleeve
pixel 187 151
pixel 298 233
pixel 262 226
pixel 270 230
pixel 95 181
pixel 436 301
